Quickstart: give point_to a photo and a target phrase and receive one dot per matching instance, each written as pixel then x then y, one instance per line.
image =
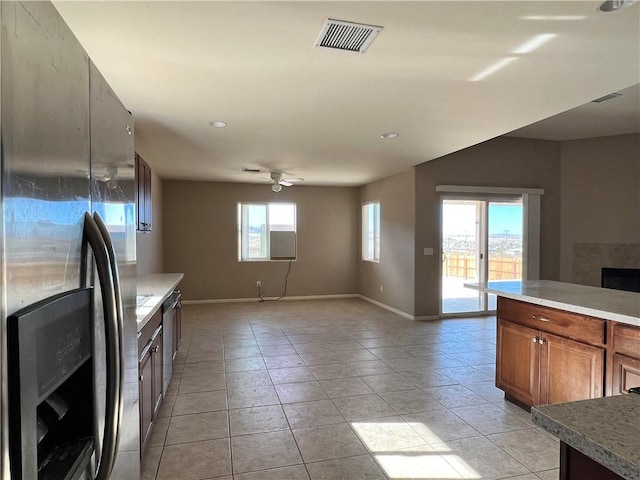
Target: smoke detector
pixel 347 36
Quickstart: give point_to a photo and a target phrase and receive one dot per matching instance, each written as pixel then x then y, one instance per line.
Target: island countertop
pixel 152 291
pixel 604 303
pixel 604 429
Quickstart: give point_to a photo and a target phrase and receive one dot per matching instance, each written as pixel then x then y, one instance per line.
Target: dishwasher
pixel 169 312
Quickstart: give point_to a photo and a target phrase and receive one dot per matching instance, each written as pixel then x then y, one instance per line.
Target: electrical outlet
pixel 258 284
pixel 381 288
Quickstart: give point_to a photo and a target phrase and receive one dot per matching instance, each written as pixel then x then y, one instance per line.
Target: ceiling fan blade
pixel 285 183
pixel 292 180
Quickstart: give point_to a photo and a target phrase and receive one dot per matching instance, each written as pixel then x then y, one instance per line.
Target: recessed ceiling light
pixel 615 5
pixel 218 124
pixel 389 135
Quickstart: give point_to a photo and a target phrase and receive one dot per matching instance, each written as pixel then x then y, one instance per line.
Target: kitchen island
pixel 560 348
pixel 597 302
pixel 559 342
pixel 600 437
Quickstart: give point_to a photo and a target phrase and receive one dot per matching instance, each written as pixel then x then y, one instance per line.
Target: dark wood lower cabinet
pixel 626 373
pixel 150 385
pixel 624 358
pixel 572 370
pixel 517 362
pixel 543 357
pixel 177 325
pixel 538 368
pixel 145 390
pixel 574 465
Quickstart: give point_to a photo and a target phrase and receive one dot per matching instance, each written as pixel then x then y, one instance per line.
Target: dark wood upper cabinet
pixel 143 195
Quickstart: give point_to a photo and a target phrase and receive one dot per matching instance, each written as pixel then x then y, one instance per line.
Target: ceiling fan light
pixel 276 187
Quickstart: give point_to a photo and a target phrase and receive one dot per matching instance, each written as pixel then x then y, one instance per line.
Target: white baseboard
pixel 399 312
pixel 288 298
pixel 314 297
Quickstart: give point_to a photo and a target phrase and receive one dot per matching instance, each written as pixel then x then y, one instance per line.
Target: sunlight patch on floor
pixel 403 454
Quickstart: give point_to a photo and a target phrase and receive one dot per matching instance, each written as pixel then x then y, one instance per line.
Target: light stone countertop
pixel 604 303
pixel 156 288
pixel 605 429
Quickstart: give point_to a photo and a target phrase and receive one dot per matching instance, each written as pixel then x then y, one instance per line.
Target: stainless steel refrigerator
pixel 67 151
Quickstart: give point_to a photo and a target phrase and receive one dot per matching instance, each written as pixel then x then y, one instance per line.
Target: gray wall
pixel 395 271
pixel 502 162
pixel 201 240
pixel 600 196
pixel 149 245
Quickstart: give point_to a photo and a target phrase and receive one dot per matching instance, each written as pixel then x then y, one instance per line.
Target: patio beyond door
pixel 481 241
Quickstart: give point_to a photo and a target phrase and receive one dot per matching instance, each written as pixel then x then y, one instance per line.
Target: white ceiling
pixel 319 114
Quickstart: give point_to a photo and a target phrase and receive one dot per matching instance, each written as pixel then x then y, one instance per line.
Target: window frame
pixel 371 243
pixel 264 234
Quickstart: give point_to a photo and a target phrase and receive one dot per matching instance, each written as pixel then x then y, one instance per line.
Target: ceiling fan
pixel 278 181
pixel 108 176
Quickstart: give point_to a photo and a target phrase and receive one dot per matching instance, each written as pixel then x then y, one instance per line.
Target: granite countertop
pixel 152 291
pixel 605 429
pixel 604 303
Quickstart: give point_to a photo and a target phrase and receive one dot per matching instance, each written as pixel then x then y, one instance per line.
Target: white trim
pixel 531 237
pixel 314 297
pixel 398 312
pixel 253 299
pixel 489 190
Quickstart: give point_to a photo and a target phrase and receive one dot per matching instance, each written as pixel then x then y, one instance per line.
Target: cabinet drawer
pixel 565 324
pixel 626 340
pixel 147 331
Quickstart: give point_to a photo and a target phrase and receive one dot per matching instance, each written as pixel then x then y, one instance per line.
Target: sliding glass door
pixel 481 241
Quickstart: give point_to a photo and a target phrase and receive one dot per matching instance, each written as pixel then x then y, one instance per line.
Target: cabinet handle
pixel 542 318
pixel 535 340
pixel 542 341
pixel 141 378
pixel 155 349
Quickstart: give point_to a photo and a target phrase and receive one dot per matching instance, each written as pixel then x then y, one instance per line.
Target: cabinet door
pixel 143 194
pixel 156 361
pixel 177 327
pixel 570 370
pixel 626 373
pixel 147 194
pixel 517 362
pixel 145 387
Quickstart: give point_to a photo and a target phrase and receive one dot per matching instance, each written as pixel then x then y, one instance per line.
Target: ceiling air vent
pixel 349 36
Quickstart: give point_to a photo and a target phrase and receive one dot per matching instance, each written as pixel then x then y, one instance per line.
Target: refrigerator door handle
pixel 115 275
pixel 93 237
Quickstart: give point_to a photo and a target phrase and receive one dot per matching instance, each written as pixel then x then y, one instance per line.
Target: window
pixel 256 222
pixel 371 231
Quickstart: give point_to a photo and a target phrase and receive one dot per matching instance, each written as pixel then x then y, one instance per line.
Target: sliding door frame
pixel 530 198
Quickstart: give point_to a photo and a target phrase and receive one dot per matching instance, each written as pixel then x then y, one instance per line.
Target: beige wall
pixel 600 194
pixel 592 194
pixel 504 162
pixel 395 271
pixel 149 245
pixel 200 239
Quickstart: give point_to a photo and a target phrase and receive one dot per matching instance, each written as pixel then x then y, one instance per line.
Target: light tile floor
pixel 339 389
